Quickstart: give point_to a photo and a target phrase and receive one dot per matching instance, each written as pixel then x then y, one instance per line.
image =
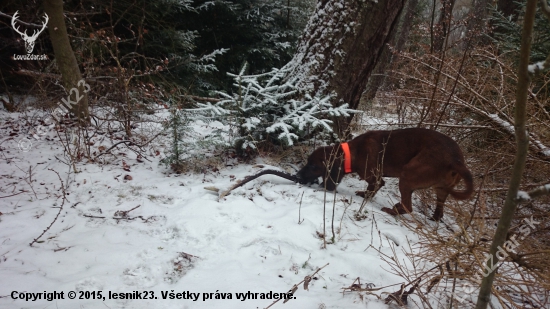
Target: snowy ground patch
pixel 158 235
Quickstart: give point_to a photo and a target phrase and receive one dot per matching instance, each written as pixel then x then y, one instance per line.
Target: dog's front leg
pixel 405 206
pixel 333 178
pixel 374 184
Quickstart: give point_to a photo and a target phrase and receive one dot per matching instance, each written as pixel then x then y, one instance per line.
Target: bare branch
pixel 545 8
pixel 21 22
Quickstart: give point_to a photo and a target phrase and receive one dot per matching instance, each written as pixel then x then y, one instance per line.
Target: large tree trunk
pixel 398 38
pixel 66 60
pixel 477 23
pixel 340 48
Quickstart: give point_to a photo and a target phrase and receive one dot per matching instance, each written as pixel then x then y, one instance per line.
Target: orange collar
pixel 347 157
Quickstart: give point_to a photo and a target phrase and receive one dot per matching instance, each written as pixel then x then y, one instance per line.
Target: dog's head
pixel 321 163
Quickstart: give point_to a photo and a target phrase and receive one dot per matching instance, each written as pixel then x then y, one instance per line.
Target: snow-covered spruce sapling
pixel 264 107
pixel 177 126
pixel 187 144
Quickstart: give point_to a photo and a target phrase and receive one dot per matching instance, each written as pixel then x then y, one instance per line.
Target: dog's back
pixel 397 148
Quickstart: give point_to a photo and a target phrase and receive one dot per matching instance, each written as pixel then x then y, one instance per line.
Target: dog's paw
pixel 397 209
pixel 365 194
pixel 390 211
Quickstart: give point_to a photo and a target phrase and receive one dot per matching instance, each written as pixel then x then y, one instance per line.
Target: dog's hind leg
pixel 412 177
pixel 441 194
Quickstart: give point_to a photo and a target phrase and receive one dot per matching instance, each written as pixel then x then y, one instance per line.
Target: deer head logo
pixel 29 40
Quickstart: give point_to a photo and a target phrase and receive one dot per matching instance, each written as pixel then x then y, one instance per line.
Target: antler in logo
pixel 29 40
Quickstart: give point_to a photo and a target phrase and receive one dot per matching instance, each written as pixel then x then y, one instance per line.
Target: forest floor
pixel 157 234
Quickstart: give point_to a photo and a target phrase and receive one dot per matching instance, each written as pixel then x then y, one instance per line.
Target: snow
pixel 503 123
pixel 543 149
pixel 181 239
pixel 523 196
pixel 533 68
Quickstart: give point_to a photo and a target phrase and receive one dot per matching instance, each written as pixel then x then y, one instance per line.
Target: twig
pixel 300 209
pixel 122 214
pixel 355 287
pixel 131 144
pixel 21 22
pixel 13 194
pixel 60 208
pixel 295 287
pixel 96 217
pixel 113 146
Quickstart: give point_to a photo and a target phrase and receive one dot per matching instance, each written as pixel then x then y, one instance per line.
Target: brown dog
pixel 420 158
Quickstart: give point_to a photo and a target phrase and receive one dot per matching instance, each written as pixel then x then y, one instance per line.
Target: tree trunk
pixel 398 38
pixel 522 141
pixel 443 26
pixel 477 23
pixel 408 19
pixel 340 48
pixel 66 61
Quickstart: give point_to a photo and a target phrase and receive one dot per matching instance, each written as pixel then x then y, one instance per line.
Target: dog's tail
pixel 463 171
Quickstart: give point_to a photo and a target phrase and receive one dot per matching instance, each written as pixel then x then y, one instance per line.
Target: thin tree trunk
pixel 340 48
pixel 66 60
pixel 443 26
pixel 522 140
pixel 403 36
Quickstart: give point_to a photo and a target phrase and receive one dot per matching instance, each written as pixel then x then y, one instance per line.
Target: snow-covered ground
pixel 180 238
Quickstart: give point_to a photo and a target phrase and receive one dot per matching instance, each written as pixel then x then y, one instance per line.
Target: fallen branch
pixel 205 99
pixel 248 179
pixel 37 74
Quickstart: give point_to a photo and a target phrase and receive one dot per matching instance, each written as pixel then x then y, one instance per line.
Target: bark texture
pixel 66 60
pixel 340 48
